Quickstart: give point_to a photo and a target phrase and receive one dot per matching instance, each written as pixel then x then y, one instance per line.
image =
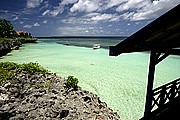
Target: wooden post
pixel 149 93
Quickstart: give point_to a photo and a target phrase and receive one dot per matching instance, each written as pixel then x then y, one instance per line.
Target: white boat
pixel 96 46
pixel 66 43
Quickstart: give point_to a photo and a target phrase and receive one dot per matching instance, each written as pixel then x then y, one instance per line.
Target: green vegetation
pixel 7 70
pixel 5 75
pixel 71 82
pixel 5 39
pixel 8 66
pixel 29 67
pixel 6 29
pixel 32 68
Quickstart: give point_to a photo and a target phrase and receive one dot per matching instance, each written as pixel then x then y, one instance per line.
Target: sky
pixel 83 17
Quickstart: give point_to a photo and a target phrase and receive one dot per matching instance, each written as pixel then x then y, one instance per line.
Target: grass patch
pixel 7 70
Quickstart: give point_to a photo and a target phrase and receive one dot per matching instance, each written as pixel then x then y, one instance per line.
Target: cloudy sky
pixel 83 17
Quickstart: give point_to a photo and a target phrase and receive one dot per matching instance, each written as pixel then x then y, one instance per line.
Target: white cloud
pixel 92 14
pixel 87 31
pixel 59 8
pixel 91 18
pixel 110 25
pixel 16 18
pixel 79 20
pixel 79 30
pixel 144 9
pixel 36 24
pixel 98 10
pixel 131 9
pixel 106 17
pixel 54 12
pixel 155 9
pixel 33 3
pixel 75 30
pixel 85 6
pixel 45 12
pixel 27 26
pixel 21 22
pixel 45 21
pixel 113 3
pixel 133 4
pixel 127 15
pixel 66 2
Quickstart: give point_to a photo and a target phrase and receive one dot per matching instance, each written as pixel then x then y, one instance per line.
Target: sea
pixel 119 81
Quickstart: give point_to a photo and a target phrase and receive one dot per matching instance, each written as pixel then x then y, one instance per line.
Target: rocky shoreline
pixel 44 96
pixel 13 44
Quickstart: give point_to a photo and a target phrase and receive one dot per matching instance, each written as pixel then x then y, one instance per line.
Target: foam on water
pixel 119 81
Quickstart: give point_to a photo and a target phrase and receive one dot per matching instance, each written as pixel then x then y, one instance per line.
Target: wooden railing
pixel 165 94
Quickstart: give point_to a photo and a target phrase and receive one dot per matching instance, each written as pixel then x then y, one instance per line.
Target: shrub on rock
pixel 32 68
pixel 71 82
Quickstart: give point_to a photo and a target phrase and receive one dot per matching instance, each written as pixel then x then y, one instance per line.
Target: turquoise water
pixel 119 81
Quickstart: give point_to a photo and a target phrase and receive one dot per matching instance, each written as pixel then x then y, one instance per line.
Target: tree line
pixel 7 30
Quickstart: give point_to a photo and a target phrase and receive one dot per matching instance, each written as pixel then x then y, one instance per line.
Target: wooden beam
pixel 155 58
pixel 160 58
pixel 149 94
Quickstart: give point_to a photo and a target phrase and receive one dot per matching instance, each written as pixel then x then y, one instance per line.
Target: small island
pixel 11 39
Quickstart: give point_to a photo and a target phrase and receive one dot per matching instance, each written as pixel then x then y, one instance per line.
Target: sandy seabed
pixel 118 81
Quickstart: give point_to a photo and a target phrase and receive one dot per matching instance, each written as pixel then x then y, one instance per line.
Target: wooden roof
pixel 162 35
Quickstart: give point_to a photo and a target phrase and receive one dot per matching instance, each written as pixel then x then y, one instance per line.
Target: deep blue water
pixel 105 42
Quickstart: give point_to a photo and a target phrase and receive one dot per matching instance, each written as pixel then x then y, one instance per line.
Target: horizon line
pixel 79 36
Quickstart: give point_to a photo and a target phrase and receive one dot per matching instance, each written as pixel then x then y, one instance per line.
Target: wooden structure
pixel 161 38
pixel 166 101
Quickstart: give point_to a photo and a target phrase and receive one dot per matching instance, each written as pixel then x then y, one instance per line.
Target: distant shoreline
pixel 85 41
pixel 84 37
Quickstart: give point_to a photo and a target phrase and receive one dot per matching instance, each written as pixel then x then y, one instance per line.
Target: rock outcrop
pixel 46 97
pixel 8 45
pixel 13 44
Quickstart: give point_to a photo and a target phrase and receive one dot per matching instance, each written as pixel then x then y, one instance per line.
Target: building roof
pixel 162 35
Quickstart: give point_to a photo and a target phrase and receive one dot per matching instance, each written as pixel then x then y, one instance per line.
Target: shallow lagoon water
pixel 119 81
